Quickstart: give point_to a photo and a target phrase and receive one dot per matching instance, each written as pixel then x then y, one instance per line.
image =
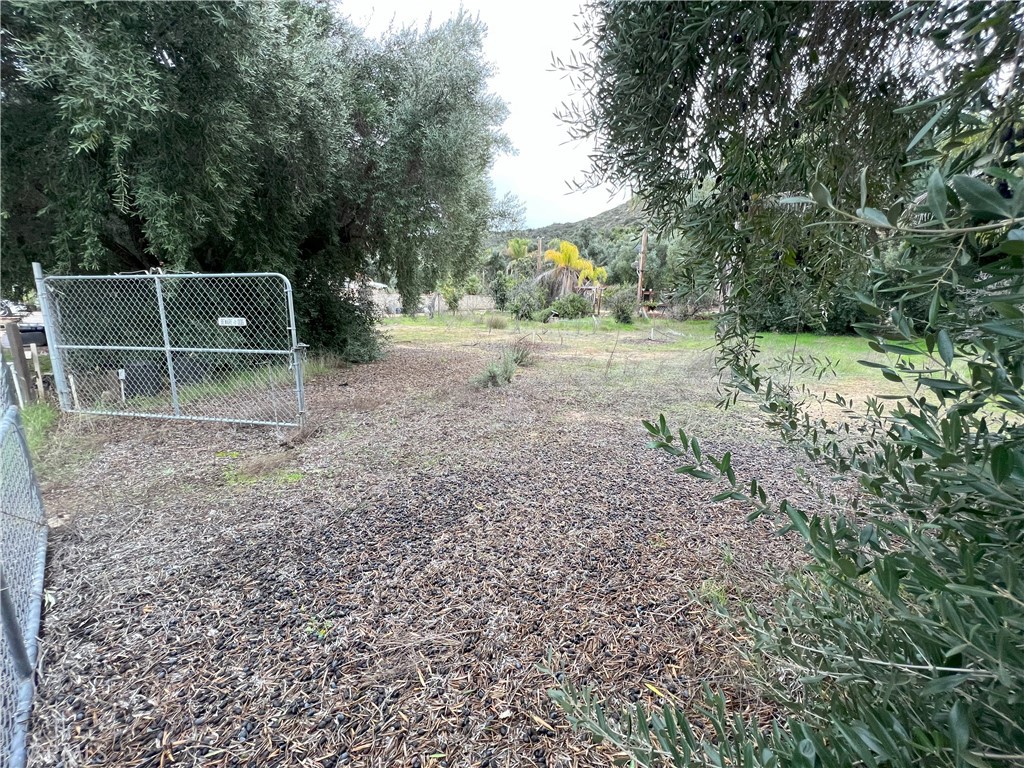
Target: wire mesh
pixel 206 347
pixel 22 561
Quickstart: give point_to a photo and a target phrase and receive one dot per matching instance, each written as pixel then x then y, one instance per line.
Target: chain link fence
pixel 22 563
pixel 203 347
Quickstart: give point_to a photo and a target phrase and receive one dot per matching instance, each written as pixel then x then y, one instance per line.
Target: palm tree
pixel 517 250
pixel 570 268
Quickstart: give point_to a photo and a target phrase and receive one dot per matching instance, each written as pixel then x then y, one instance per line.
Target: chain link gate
pixel 23 535
pixel 207 347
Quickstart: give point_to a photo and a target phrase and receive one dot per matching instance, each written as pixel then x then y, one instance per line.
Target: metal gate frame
pixel 295 353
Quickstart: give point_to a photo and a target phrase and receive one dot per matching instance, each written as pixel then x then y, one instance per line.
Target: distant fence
pixel 390 303
pixel 22 563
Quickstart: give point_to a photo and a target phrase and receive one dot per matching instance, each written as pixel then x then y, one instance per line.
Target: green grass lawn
pixel 664 338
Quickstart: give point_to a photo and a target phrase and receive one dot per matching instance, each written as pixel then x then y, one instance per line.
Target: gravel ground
pixel 381 590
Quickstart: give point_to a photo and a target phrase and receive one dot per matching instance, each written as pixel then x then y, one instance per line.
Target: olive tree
pixel 890 134
pixel 245 136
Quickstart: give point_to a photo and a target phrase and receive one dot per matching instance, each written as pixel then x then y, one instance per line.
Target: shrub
pixel 521 353
pixel 898 643
pixel 622 304
pixel 495 322
pixel 497 374
pixel 501 289
pixel 345 324
pixel 572 306
pixel 452 294
pixel 542 315
pixel 472 285
pixel 501 371
pixel 697 303
pixel 525 299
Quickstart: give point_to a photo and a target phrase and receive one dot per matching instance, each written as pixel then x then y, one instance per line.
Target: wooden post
pixel 40 389
pixel 540 255
pixel 20 366
pixel 640 269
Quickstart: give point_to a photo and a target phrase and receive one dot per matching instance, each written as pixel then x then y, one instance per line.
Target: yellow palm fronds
pixel 566 257
pixel 596 275
pixel 569 264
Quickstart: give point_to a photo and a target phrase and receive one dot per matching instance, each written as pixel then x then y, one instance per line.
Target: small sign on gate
pixel 232 322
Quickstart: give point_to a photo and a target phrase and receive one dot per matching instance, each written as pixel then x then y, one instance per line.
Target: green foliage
pixel 496 322
pixel 621 303
pixel 496 374
pixel 518 249
pixel 472 285
pixel 38 419
pixel 452 294
pixel 501 289
pixel 501 371
pixel 572 306
pixel 526 299
pixel 712 591
pixel 521 353
pixel 899 644
pixel 240 137
pixel 628 215
pixel 338 321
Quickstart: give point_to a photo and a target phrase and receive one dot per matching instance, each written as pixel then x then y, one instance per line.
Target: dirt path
pixel 382 592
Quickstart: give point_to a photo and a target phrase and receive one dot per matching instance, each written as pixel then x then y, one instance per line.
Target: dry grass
pixel 390 603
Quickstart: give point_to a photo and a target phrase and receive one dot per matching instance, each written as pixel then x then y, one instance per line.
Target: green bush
pixel 501 371
pixel 572 306
pixel 525 299
pixel 899 642
pixel 495 322
pixel 452 294
pixel 472 285
pixel 338 322
pixel 521 353
pixel 501 288
pixel 621 303
pixel 793 301
pixel 497 374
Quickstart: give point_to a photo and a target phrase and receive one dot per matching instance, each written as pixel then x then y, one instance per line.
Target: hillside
pixel 604 222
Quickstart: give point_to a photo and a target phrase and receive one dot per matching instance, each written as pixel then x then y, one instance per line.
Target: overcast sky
pixel 521 36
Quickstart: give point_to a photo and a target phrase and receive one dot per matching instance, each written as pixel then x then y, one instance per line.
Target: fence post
pixel 40 388
pixel 298 355
pixel 24 379
pixel 167 345
pixel 299 359
pixel 52 338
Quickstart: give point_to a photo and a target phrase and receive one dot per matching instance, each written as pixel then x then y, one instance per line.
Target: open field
pixel 381 589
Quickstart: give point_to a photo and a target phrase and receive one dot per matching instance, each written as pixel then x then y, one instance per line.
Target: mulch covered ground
pixel 382 591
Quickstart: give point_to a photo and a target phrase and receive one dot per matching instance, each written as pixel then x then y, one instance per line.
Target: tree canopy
pixel 875 150
pixel 245 136
pixel 721 108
